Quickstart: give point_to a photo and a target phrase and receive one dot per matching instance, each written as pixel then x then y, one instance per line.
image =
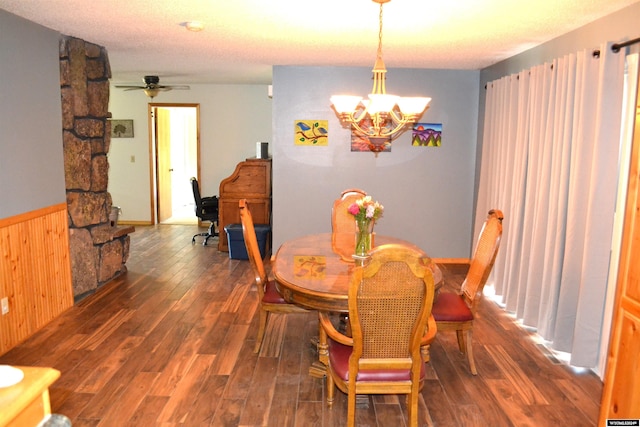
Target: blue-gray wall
pixel 31 161
pixel 427 191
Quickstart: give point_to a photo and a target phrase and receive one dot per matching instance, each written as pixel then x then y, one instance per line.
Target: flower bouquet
pixel 366 212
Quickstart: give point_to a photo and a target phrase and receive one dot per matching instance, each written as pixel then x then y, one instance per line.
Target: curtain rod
pixel 615 48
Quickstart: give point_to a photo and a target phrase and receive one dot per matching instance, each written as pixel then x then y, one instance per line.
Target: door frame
pixel 153 153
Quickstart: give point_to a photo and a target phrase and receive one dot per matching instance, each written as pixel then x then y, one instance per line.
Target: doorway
pixel 175 144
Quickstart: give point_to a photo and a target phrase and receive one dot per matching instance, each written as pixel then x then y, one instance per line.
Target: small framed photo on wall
pixel 121 128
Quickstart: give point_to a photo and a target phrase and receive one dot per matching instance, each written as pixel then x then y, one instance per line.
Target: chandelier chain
pixel 380 33
pixel 383 116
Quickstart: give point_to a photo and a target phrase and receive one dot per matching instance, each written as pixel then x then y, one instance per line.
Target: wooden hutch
pixel 251 180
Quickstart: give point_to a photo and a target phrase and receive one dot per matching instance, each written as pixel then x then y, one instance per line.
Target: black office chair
pixel 206 210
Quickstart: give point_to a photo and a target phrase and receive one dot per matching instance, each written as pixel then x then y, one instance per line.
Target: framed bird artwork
pixel 311 132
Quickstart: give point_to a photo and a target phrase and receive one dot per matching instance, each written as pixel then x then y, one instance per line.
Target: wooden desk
pixel 250 180
pixel 309 274
pixel 26 403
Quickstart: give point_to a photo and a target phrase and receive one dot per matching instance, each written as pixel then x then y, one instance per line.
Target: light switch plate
pixel 5 305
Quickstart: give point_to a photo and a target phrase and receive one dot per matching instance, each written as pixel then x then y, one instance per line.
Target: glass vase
pixel 364 230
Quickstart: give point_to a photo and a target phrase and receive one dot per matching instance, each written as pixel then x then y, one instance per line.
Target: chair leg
pixel 351 409
pixel 424 350
pixel 412 409
pixel 472 363
pixel 212 230
pixel 206 239
pixel 208 235
pixel 331 389
pixel 461 344
pixel 264 316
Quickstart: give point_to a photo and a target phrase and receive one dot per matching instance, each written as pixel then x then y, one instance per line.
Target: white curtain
pixel 550 162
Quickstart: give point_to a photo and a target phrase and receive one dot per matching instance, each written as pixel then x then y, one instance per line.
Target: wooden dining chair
pixel 456 311
pixel 343 223
pixel 270 300
pixel 390 300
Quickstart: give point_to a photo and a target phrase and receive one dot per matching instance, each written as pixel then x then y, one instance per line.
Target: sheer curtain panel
pixel 550 161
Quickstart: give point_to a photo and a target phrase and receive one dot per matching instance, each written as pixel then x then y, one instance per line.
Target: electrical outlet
pixel 5 305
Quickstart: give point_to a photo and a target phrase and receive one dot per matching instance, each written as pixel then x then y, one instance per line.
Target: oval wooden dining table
pixel 310 274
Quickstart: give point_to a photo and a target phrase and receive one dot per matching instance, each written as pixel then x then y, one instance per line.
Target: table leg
pixel 318 369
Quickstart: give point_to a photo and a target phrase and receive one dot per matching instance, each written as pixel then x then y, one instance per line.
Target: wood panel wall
pixel 35 272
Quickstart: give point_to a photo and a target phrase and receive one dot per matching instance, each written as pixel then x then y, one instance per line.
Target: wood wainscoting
pixel 35 272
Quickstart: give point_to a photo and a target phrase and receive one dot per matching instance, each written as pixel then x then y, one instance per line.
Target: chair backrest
pixel 343 223
pixel 483 258
pixel 253 250
pixel 196 191
pixel 390 300
pixel 196 194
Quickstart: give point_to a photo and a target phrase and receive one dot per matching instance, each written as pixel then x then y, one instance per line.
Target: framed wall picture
pixel 427 135
pixel 121 128
pixel 311 132
pixel 362 143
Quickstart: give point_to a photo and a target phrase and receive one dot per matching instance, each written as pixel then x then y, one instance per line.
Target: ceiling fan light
pixel 345 103
pixel 413 104
pixel 151 92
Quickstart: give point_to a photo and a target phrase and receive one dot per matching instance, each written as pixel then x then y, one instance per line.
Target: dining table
pixel 309 273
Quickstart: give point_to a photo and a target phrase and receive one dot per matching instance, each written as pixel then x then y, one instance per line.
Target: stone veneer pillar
pixel 98 250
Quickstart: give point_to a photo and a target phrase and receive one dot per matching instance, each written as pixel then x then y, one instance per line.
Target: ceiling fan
pixel 152 86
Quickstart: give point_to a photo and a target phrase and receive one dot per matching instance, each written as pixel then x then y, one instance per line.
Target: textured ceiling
pixel 242 39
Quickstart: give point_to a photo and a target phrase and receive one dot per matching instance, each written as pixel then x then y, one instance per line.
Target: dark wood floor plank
pixel 517 378
pixel 215 336
pixel 590 408
pixel 99 376
pixel 230 348
pixel 309 414
pixel 284 404
pixel 242 375
pixel 146 412
pixel 293 345
pixel 439 407
pixel 181 401
pixel 170 343
pixel 228 413
pixel 273 335
pixel 258 403
pixel 208 401
pixel 181 360
pixel 162 354
pixel 125 406
pixel 389 415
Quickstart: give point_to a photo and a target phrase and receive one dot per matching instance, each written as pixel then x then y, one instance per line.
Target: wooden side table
pixel 26 403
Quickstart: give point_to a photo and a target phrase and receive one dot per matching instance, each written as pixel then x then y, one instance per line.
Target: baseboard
pixel 125 222
pixel 451 260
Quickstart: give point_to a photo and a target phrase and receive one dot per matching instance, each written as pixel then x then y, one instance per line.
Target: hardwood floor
pixel 170 344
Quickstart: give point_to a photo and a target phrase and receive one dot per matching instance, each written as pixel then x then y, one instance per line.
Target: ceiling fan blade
pixel 172 87
pixel 152 85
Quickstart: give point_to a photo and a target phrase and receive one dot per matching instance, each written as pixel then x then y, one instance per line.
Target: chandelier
pixel 382 116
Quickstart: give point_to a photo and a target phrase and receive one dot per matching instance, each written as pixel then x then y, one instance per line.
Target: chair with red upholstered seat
pixel 270 300
pixel 456 311
pixel 390 300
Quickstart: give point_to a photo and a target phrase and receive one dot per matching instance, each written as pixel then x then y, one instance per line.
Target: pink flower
pixel 354 209
pixel 366 209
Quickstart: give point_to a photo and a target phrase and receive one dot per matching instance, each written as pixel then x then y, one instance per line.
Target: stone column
pixel 98 251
